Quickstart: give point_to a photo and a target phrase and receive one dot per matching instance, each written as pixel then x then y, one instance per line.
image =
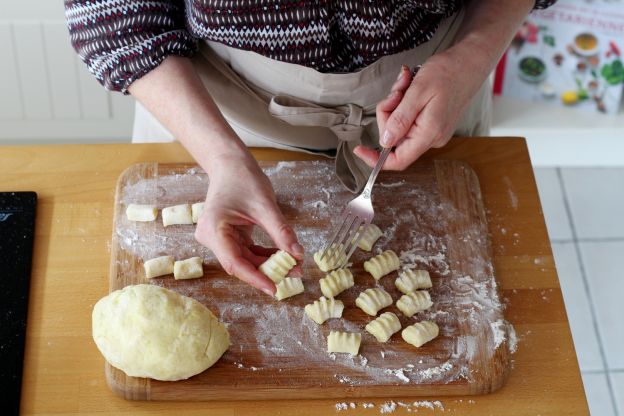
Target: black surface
pixel 17 230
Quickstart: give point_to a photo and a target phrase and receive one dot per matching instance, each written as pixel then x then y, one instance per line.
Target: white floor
pixel 584 210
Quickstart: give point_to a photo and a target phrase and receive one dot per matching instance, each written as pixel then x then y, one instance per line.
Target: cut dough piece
pixel 149 331
pixel 289 286
pixel 278 265
pixel 324 309
pixel 196 211
pixel 382 264
pixel 414 302
pixel 420 333
pixel 411 280
pixel 334 258
pixel 347 342
pixel 336 282
pixel 369 237
pixel 177 214
pixel 384 326
pixel 373 300
pixel 158 266
pixel 143 213
pixel 188 269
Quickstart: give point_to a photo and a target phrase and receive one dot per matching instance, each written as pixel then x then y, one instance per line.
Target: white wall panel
pixel 10 97
pixel 33 71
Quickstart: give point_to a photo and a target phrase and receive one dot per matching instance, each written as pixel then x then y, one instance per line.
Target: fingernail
pixel 268 291
pixel 386 139
pixel 297 249
pixel 392 94
pixel 401 72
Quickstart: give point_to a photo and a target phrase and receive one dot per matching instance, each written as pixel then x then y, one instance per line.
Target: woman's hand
pixel 239 197
pixel 422 113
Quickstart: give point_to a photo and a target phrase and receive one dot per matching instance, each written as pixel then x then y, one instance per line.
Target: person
pixel 315 76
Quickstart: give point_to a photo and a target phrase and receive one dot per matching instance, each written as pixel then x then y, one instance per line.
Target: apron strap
pixel 348 122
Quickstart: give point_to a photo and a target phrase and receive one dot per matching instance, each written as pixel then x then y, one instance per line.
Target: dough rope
pixel 323 309
pixel 411 280
pixel 289 286
pixel 373 300
pixel 382 264
pixel 420 333
pixel 414 302
pixel 384 326
pixel 336 282
pixel 277 266
pixel 344 342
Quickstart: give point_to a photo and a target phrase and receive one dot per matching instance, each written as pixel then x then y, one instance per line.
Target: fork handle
pixel 368 188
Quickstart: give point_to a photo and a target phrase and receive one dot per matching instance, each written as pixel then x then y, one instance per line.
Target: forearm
pixel 175 95
pixel 485 33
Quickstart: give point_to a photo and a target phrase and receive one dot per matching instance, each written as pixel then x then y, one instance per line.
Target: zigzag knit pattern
pixel 122 40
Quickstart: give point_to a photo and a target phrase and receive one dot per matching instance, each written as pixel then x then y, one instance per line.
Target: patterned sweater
pixel 122 40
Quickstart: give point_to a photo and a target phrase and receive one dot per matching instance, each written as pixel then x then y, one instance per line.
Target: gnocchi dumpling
pixel 196 211
pixel 177 214
pixel 382 264
pixel 335 257
pixel 420 333
pixel 278 265
pixel 347 342
pixel 411 280
pixel 324 309
pixel 143 213
pixel 336 282
pixel 287 287
pixel 414 302
pixel 370 235
pixel 158 266
pixel 372 300
pixel 384 326
pixel 188 269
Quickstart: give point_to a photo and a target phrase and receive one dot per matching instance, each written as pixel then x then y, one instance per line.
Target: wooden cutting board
pixel 432 215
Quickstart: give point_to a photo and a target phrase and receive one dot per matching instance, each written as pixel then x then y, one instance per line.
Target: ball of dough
pixel 149 331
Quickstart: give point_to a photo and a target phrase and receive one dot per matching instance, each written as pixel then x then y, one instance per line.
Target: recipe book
pixel 569 54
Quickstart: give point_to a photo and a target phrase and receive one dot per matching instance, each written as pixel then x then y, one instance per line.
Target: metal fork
pixel 358 212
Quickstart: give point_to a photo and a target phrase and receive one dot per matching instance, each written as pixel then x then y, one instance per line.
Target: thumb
pixel 280 232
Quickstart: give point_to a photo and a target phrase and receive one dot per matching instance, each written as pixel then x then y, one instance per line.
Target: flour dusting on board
pixel 281 335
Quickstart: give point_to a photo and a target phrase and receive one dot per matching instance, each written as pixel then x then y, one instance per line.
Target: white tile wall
pixel 553 206
pixel 598 396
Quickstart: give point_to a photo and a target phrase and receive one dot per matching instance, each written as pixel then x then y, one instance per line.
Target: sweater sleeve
pixel 122 40
pixel 542 4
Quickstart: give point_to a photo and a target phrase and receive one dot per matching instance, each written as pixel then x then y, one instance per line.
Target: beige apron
pixel 270 103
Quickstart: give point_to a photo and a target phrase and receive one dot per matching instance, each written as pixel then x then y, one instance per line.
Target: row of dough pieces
pixel 370 301
pixel 174 215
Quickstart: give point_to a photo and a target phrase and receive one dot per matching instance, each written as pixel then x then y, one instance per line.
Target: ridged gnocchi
pixel 411 280
pixel 370 235
pixel 382 264
pixel 384 326
pixel 324 309
pixel 277 266
pixel 334 258
pixel 372 300
pixel 287 287
pixel 420 333
pixel 414 302
pixel 336 282
pixel 347 342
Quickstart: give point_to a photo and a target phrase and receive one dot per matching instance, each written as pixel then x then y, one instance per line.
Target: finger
pixel 296 271
pixel 368 155
pixel 253 258
pixel 403 80
pixel 231 257
pixel 408 150
pixel 389 103
pixel 403 116
pixel 280 232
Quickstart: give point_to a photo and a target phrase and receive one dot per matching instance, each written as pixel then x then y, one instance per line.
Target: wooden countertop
pixel 64 371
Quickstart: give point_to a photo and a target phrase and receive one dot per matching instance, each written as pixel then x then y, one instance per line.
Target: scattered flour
pixel 387 407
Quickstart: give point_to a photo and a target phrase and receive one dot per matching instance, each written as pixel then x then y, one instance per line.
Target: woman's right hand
pixel 239 197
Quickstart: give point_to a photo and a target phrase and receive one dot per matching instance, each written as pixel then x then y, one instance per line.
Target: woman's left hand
pixel 424 111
